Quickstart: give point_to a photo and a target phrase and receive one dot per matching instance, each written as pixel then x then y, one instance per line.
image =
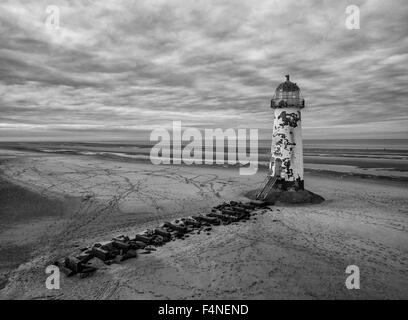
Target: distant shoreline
pixel 333 165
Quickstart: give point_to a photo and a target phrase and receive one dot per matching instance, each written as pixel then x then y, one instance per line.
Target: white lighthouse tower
pixel 286 164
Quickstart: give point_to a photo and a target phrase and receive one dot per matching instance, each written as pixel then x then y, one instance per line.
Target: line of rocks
pixel 122 247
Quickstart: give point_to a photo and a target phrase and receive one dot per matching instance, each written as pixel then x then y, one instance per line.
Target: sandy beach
pixel 283 252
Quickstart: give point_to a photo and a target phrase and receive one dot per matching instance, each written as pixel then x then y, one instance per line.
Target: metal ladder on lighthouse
pixel 266 187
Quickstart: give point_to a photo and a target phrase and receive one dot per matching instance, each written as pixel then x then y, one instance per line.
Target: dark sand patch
pixel 18 203
pixel 11 258
pixel 20 206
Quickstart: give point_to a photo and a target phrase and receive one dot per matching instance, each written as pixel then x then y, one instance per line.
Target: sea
pixel 384 158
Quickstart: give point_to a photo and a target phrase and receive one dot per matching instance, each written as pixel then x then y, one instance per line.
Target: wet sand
pixel 25 217
pixel 286 252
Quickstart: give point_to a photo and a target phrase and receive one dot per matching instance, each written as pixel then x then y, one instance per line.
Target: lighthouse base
pixel 283 185
pixel 288 197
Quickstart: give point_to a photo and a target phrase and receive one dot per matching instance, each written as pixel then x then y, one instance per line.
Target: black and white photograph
pixel 203 150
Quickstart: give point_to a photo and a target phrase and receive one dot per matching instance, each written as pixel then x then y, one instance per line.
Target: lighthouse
pixel 284 179
pixel 286 163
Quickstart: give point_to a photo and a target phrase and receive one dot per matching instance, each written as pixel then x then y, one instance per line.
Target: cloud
pixel 122 67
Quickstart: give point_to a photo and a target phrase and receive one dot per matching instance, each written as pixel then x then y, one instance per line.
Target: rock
pixel 121 238
pixel 101 253
pixel 134 244
pixel 247 206
pixel 120 245
pixel 224 217
pixel 258 203
pixel 73 264
pixel 143 238
pixel 128 255
pixel 66 271
pixel 85 256
pixel 175 227
pixel 163 233
pixel 179 235
pixel 192 222
pixel 237 214
pixel 157 240
pixel 107 245
pixel 97 263
pixel 210 220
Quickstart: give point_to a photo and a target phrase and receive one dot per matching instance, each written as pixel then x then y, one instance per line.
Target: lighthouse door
pixel 278 168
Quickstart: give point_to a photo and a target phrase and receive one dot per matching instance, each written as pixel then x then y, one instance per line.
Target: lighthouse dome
pixel 287 94
pixel 287 86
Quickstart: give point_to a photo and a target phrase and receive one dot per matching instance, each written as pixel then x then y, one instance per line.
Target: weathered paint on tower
pixel 286 165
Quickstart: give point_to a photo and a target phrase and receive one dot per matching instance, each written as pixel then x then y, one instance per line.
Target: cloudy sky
pixel 118 69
